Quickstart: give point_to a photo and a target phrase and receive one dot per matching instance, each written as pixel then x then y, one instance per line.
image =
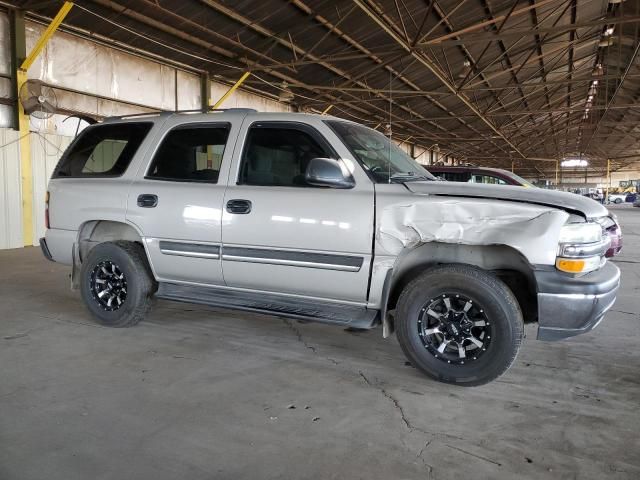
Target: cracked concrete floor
pixel 201 393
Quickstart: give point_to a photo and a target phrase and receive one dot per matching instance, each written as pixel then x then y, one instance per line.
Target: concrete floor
pixel 199 393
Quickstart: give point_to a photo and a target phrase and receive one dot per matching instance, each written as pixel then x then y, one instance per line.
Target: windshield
pixel 385 162
pixel 522 181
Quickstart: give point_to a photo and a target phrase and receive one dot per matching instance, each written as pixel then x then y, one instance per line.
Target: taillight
pixel 46 211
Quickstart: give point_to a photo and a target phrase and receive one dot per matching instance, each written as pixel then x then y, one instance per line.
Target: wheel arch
pixel 94 232
pixel 503 260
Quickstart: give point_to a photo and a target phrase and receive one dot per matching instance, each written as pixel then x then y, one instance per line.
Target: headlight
pixel 581 233
pixel 581 247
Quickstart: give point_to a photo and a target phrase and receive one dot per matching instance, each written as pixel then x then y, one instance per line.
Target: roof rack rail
pixel 171 112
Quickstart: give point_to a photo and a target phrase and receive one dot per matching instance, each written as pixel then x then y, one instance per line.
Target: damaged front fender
pixel 533 230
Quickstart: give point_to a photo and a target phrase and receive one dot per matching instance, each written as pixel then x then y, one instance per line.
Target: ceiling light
pixel 574 162
pixel 609 31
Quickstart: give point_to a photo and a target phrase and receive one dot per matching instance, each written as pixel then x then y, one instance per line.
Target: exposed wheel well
pixel 505 262
pixel 94 232
pixel 98 231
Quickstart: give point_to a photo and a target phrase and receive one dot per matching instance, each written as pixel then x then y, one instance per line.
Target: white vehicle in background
pixel 616 198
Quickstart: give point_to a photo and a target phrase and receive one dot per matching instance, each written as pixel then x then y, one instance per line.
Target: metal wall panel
pixel 46 150
pixel 10 199
pixel 5 45
pixel 240 99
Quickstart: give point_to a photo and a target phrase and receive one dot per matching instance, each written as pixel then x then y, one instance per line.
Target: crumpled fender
pixel 533 230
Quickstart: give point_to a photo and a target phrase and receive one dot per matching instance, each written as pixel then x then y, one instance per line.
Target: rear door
pixel 285 236
pixel 176 201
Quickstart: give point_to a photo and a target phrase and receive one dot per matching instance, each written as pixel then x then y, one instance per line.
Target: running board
pixel 290 307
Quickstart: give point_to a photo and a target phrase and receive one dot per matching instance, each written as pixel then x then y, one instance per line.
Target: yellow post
pixel 46 35
pixel 231 90
pixel 26 176
pixel 326 110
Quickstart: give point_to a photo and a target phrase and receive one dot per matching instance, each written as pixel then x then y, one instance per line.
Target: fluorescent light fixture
pixel 574 162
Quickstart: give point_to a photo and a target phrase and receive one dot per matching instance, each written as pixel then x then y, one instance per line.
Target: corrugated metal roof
pixel 487 80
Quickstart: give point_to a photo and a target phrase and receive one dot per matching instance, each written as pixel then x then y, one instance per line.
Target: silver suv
pixel 317 218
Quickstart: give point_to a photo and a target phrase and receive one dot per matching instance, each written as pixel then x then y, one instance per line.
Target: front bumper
pixel 569 306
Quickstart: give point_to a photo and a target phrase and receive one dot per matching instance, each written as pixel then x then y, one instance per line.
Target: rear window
pixel 102 150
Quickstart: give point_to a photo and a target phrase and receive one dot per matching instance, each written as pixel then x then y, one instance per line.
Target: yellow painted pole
pixel 231 90
pixel 326 110
pixel 46 35
pixel 26 174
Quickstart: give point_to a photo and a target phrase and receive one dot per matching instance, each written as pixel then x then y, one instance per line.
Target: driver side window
pixel 278 156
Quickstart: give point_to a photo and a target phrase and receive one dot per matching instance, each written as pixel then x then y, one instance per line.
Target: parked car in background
pixel 636 202
pixel 471 174
pixel 617 198
pixel 498 176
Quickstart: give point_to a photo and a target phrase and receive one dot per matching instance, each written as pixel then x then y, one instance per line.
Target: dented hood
pixel 566 201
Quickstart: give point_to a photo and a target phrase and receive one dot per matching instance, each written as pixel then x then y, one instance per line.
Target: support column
pixel 21 123
pixel 21 66
pixel 205 92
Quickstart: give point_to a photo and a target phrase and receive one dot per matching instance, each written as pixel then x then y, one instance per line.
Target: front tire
pixel 459 324
pixel 117 284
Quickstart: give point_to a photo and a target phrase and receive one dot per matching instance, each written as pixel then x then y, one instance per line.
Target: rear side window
pixel 190 154
pixel 102 151
pixel 479 178
pixel 455 176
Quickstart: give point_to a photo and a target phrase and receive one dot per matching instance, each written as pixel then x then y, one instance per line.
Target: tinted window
pixel 478 178
pixel 103 150
pixel 279 156
pixel 455 176
pixel 190 154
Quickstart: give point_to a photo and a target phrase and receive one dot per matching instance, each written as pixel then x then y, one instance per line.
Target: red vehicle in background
pixel 498 176
pixel 471 174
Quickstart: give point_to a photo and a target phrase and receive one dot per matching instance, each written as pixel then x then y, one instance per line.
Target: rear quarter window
pixel 102 150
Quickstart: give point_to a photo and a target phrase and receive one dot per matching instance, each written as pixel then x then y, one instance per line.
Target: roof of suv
pixel 199 115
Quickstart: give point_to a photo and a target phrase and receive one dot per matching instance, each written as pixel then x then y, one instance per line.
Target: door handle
pixel 239 206
pixel 147 200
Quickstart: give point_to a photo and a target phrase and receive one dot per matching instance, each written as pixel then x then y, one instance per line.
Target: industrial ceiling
pixel 498 83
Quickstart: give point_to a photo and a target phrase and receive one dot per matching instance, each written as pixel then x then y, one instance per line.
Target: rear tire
pixel 617 201
pixel 117 284
pixel 459 324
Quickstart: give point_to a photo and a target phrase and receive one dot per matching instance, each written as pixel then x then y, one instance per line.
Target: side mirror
pixel 326 172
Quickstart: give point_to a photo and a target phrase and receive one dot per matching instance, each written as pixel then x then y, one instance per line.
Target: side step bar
pixel 300 309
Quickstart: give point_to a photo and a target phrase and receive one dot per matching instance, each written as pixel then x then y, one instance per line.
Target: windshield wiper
pixel 401 177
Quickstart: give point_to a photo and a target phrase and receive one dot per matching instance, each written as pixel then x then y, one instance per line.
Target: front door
pixel 178 204
pixel 281 234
